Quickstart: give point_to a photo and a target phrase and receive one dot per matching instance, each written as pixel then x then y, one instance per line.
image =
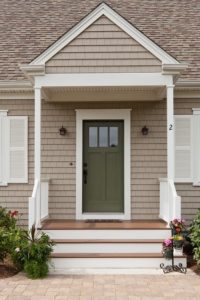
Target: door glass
pixel 92 136
pixel 113 137
pixel 103 136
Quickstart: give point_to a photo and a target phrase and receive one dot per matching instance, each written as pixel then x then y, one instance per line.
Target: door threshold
pixel 103 221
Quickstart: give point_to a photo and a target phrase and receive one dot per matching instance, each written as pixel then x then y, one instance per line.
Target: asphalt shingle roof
pixel 28 27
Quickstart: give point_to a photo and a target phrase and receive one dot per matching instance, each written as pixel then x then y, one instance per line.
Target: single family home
pixel 100 124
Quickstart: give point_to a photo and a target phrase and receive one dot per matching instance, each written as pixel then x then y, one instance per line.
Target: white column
pixel 37 158
pixel 170 131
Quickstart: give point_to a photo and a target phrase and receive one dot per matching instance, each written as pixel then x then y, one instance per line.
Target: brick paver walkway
pixel 105 287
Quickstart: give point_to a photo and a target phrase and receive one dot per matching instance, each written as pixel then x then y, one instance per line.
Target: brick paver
pixel 102 287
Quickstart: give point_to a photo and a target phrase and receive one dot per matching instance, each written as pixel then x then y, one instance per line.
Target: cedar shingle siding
pixel 103 47
pixel 148 158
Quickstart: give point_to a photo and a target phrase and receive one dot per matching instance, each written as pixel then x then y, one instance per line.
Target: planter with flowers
pixel 177 226
pixel 174 247
pixel 167 249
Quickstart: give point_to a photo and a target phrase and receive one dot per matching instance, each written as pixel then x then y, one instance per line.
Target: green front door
pixel 103 167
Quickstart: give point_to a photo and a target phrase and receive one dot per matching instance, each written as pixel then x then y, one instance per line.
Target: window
pixel 187 148
pixel 13 149
pixel 103 136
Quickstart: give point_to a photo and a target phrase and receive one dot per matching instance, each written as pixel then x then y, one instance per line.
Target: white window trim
pixel 185 180
pixel 103 114
pixel 3 147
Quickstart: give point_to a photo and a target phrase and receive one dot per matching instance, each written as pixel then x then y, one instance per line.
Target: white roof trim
pixel 105 10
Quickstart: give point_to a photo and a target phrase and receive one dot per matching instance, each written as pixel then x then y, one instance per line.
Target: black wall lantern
pixel 145 130
pixel 63 131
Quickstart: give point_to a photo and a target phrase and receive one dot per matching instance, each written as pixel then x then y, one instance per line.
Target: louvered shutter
pixel 183 148
pixel 3 147
pixel 196 147
pixel 17 149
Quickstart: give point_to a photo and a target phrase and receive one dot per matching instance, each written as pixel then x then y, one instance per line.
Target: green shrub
pixel 34 253
pixel 28 250
pixel 195 237
pixel 35 269
pixel 7 219
pixel 3 244
pixel 7 226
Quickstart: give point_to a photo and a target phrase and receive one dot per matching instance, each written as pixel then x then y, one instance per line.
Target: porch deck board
pixel 74 224
pixel 111 255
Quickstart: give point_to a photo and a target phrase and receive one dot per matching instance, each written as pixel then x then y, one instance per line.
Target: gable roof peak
pixel 107 11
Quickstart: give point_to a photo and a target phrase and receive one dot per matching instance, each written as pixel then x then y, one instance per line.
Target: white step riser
pixel 108 234
pixel 108 248
pixel 85 263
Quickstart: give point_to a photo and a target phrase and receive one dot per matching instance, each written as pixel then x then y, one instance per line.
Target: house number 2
pixel 170 127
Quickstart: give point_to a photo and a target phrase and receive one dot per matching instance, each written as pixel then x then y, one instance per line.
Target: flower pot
pixel 168 253
pixel 178 244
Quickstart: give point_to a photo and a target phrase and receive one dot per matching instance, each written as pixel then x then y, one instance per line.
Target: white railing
pixel 44 199
pixel 32 205
pixel 170 202
pixel 38 203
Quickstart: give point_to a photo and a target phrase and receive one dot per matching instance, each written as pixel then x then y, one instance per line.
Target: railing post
pixel 38 152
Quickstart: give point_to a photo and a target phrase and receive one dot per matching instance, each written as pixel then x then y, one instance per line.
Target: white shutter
pixel 17 149
pixel 196 147
pixel 3 147
pixel 183 148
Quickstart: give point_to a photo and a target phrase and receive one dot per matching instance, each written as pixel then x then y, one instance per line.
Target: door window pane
pixel 103 136
pixel 92 136
pixel 113 136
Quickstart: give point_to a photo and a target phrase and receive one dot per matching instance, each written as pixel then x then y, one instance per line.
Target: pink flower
pixel 167 242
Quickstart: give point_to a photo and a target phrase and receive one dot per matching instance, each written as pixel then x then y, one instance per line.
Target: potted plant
pixel 167 248
pixel 177 226
pixel 178 241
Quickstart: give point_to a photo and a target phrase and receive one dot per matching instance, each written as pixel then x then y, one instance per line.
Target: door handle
pixel 85 173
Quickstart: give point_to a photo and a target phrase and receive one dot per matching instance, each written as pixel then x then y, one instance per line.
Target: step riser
pixel 108 248
pixel 108 234
pixel 85 263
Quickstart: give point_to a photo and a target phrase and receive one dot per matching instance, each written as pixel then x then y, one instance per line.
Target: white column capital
pixel 170 86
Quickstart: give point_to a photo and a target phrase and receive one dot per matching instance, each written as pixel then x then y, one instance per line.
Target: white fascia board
pixel 101 79
pixel 105 10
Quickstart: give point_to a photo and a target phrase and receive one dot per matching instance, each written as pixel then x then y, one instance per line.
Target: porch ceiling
pixel 88 94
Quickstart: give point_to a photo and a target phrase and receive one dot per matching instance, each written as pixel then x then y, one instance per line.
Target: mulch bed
pixel 7 271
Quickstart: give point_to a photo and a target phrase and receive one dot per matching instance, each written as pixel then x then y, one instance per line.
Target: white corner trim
pixel 105 10
pixel 104 114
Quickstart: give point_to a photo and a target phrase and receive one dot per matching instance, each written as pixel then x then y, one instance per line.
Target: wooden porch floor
pixel 73 224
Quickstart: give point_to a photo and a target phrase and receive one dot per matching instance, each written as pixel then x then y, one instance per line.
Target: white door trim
pixel 103 114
